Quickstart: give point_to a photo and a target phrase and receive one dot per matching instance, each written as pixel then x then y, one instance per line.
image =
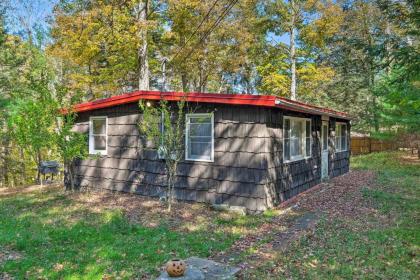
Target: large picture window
pixel 340 137
pixel 297 140
pixel 199 137
pixel 98 135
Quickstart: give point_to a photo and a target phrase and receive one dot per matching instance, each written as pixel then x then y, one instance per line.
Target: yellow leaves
pixel 313 79
pixel 325 26
pixel 99 44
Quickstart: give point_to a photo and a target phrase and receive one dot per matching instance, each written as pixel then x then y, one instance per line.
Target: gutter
pixel 312 110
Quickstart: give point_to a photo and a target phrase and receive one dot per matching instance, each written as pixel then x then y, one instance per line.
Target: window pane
pixel 343 138
pixel 337 137
pixel 99 143
pixel 199 138
pixel 308 129
pixel 308 147
pixel 308 139
pixel 295 147
pixel 296 130
pixel 98 126
pixel 286 128
pixel 200 150
pixel 286 149
pixel 200 119
pixel 200 129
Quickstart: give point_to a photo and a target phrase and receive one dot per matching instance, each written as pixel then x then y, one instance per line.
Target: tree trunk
pixel 6 155
pixel 418 151
pixel 142 51
pixel 184 81
pixel 23 168
pixel 170 191
pixel 71 176
pixel 38 162
pixel 293 52
pixel 68 168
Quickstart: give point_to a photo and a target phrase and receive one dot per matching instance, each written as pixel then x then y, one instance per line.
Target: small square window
pixel 98 135
pixel 297 139
pixel 341 137
pixel 199 139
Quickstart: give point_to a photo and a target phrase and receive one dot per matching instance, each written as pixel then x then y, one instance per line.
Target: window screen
pixel 97 135
pixel 199 137
pixel 341 137
pixel 297 138
pixel 286 139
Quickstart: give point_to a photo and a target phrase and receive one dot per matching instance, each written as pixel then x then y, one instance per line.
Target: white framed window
pixel 297 139
pixel 340 137
pixel 98 139
pixel 199 137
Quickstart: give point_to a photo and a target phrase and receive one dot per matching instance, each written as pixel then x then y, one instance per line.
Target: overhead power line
pixel 196 30
pixel 212 28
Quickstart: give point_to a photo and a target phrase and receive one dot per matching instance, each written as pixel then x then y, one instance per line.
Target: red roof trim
pixel 234 99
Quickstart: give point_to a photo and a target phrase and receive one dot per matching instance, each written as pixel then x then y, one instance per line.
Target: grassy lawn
pixel 50 234
pixel 56 237
pixel 384 244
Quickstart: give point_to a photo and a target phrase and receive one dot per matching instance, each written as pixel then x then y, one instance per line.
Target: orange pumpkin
pixel 175 268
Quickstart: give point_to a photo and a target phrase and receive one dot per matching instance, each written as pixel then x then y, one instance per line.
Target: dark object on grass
pixel 48 167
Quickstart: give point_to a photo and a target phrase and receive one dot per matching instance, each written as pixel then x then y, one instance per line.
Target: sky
pixel 29 12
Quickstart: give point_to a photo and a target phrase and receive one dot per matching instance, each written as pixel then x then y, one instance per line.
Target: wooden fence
pixel 366 145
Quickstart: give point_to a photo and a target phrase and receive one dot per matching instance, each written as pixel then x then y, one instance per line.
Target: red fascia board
pixel 233 99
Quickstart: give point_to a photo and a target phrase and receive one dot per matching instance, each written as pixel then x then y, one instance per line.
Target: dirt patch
pixel 4 192
pixel 7 254
pixel 409 159
pixel 150 212
pixel 341 196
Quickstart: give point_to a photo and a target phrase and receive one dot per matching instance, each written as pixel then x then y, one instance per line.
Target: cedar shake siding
pixel 290 178
pixel 248 168
pixel 238 175
pixel 339 162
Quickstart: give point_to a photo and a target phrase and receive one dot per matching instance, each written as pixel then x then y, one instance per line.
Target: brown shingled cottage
pixel 258 150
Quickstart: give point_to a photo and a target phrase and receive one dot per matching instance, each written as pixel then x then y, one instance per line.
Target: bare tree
pixel 142 51
pixel 292 49
pixel 164 125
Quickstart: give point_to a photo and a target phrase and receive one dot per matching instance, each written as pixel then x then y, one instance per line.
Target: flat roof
pixel 216 98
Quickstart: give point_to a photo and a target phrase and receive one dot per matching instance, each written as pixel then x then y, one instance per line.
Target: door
pixel 324 150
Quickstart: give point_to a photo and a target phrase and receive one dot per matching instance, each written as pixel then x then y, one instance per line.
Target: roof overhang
pixel 232 99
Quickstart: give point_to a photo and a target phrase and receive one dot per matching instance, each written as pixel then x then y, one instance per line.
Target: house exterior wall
pixel 237 176
pixel 290 178
pixel 339 162
pixel 248 168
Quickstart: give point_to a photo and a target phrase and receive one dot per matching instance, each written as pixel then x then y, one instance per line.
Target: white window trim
pixel 335 137
pixel 92 151
pixel 187 120
pixel 297 158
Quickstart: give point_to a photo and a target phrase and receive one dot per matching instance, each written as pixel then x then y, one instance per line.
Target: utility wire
pixel 196 30
pixel 208 32
pixel 214 26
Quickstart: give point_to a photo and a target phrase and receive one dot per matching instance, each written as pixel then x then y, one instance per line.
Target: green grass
pixel 386 245
pixel 60 241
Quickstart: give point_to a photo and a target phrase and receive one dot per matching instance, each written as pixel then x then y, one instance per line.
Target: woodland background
pixel 361 57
